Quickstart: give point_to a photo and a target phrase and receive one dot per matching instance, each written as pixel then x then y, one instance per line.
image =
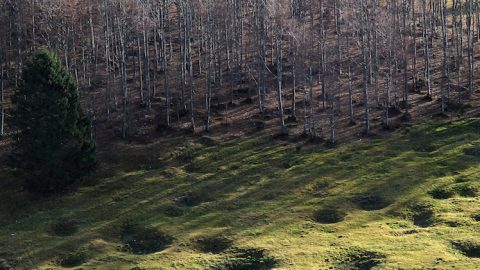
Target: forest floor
pixel 409 200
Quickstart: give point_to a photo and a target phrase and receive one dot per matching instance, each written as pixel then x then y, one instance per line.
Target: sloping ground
pixel 409 201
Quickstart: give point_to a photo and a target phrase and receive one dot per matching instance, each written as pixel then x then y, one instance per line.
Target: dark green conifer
pixel 53 146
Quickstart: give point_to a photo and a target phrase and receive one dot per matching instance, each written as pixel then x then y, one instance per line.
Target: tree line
pixel 194 55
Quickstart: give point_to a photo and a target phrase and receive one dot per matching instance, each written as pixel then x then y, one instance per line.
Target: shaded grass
pixel 469 247
pixel 262 195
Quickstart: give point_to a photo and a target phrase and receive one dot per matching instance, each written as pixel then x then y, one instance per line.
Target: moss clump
pixel 370 202
pixel 64 227
pixel 470 248
pixel 329 216
pixel 247 259
pixel 73 259
pixel 144 240
pixel 361 259
pixel 442 193
pixel 213 244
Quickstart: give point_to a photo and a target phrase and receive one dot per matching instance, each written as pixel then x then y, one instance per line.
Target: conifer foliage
pixel 53 147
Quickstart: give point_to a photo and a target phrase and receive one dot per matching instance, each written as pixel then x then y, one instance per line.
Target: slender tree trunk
pixel 279 83
pixel 470 45
pixel 405 59
pixel 2 102
pixel 365 65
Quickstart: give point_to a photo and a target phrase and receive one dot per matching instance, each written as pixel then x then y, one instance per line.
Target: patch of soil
pixel 423 215
pixel 247 259
pixel 406 117
pixel 281 136
pixel 320 189
pixel 466 190
pixel 257 124
pixel 361 259
pixel 64 227
pixel 194 198
pixel 291 119
pixel 144 240
pixel 394 111
pixel 405 232
pixel 329 216
pixel 441 116
pixel 73 259
pixel 459 108
pixel 427 98
pixel 207 140
pixel 441 193
pixel 461 179
pixel 370 202
pixel 213 244
pixel 453 223
pixel 469 248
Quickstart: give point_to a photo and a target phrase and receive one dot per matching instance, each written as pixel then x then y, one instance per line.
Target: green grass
pixel 262 194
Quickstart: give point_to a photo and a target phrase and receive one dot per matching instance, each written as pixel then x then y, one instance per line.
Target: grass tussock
pixel 247 259
pixel 329 215
pixel 139 239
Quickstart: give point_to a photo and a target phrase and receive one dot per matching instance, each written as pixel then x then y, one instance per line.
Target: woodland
pixel 240 134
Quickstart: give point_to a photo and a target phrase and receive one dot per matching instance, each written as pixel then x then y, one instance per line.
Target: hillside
pixel 409 200
pixel 240 134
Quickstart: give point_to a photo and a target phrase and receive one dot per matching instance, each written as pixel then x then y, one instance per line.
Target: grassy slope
pixel 262 193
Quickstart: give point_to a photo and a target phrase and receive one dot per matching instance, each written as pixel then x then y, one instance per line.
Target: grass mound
pixel 248 259
pixel 423 215
pixel 466 190
pixel 329 216
pixel 370 202
pixel 320 189
pixel 64 227
pixel 470 248
pixel 144 240
pixel 213 244
pixel 361 259
pixel 441 193
pixel 73 259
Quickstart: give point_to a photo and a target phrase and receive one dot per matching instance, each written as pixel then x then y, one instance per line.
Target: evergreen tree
pixel 53 147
